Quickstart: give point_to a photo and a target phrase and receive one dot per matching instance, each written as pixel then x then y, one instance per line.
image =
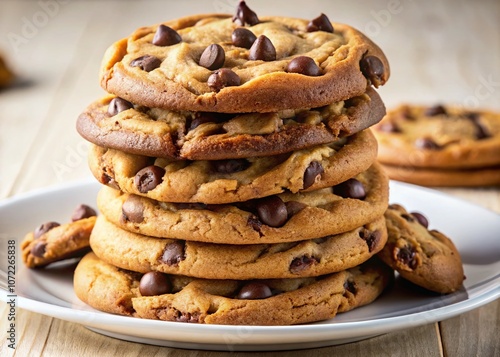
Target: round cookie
pixel 52 242
pixel 230 302
pixel 274 219
pixel 314 257
pixel 114 123
pixel 236 180
pixel 425 257
pixel 486 176
pixel 199 63
pixel 439 137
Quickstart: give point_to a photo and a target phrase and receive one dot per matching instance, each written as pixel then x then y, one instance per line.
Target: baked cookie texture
pixel 440 145
pixel 255 76
pixel 425 257
pixel 215 136
pixel 232 302
pixel 236 180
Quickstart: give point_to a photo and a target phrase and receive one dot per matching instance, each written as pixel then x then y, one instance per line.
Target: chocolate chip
pixel 313 171
pixel 427 143
pixel 83 211
pixel 146 63
pixel 420 219
pixel 389 127
pixel 148 178
pixel 373 69
pixel 154 283
pixel 44 228
pixel 408 256
pixel 133 209
pixel 230 166
pixel 350 286
pixel 371 238
pixel 166 36
pixel 435 110
pixel 254 290
pixel 300 264
pixel 187 317
pixel 213 57
pixel 222 78
pixel 320 23
pixel 243 37
pixel 272 211
pixel 174 253
pixel 294 207
pixel 109 180
pixel 118 105
pixel 255 224
pixel 38 250
pixel 262 49
pixel 244 15
pixel 303 65
pixel 351 188
pixel 481 131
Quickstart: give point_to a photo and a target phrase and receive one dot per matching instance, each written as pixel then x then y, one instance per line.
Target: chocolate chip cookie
pixel 234 180
pixel 224 63
pixel 115 123
pixel 52 242
pixel 256 302
pixel 425 257
pixel 314 257
pixel 273 219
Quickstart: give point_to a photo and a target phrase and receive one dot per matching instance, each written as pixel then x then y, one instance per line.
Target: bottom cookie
pixel 489 176
pixel 255 302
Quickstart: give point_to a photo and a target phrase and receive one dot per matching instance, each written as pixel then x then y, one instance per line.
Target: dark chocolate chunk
pixel 427 143
pixel 243 37
pixel 133 209
pixel 303 65
pixel 272 211
pixel 230 166
pixel 38 250
pixel 222 78
pixel 389 127
pixel 148 178
pixel 254 290
pixel 371 238
pixel 300 264
pixel 83 211
pixel 351 188
pixel 435 110
pixel 146 63
pixel 262 49
pixel 320 23
pixel 314 170
pixel 154 283
pixel 350 286
pixel 408 256
pixel 187 317
pixel 174 253
pixel 244 15
pixel 166 36
pixel 44 228
pixel 213 57
pixel 118 105
pixel 420 218
pixel 373 69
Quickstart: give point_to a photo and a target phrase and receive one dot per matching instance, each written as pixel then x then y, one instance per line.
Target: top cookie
pixel 245 63
pixel 439 137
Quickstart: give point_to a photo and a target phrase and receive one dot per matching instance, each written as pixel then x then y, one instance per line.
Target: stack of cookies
pixel 238 171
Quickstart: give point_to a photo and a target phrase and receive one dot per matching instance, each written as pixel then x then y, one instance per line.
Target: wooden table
pixel 444 51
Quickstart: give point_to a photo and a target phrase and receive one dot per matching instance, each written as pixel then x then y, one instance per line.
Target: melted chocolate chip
pixel 435 110
pixel 313 171
pixel 320 23
pixel 350 286
pixel 38 250
pixel 272 211
pixel 300 264
pixel 83 211
pixel 262 49
pixel 166 36
pixel 213 57
pixel 373 69
pixel 154 283
pixel 222 78
pixel 254 223
pixel 420 219
pixel 408 218
pixel 44 228
pixel 118 105
pixel 371 238
pixel 351 188
pixel 146 63
pixel 243 37
pixel 187 317
pixel 427 143
pixel 389 127
pixel 254 290
pixel 148 178
pixel 303 65
pixel 133 210
pixel 230 166
pixel 481 131
pixel 407 255
pixel 244 15
pixel 294 207
pixel 174 253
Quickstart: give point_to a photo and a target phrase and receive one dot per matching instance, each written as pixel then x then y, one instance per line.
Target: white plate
pixel 49 291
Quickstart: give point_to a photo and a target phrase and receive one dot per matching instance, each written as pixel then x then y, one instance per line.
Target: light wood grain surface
pixel 440 51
